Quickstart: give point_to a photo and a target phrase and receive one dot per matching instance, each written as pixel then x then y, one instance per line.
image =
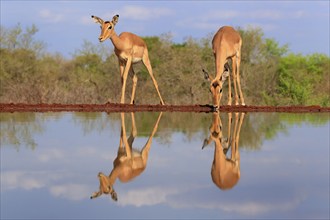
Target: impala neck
pixel 113 176
pixel 117 42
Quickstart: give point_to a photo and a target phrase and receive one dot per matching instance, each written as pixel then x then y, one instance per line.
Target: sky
pixel 65 25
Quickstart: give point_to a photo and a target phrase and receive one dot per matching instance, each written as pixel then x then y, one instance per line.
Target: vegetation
pixel 271 75
pixel 21 130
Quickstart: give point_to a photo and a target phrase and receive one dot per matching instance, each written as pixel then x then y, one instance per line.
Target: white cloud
pixel 264 14
pixel 143 13
pixel 198 24
pixel 221 15
pixel 86 20
pixel 263 26
pixel 50 17
pixel 299 14
pixel 214 18
pixel 139 13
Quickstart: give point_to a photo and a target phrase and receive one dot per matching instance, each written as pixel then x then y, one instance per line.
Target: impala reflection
pixel 129 162
pixel 225 171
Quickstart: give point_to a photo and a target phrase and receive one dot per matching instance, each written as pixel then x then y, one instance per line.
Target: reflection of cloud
pixel 148 196
pixel 51 154
pixel 26 180
pixel 70 191
pixel 13 180
pixel 172 196
pixel 250 208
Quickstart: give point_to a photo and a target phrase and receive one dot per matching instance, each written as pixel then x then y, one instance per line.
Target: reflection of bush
pixel 18 129
pixel 269 76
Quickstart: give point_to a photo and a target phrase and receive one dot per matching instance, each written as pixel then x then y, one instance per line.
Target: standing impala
pixel 130 49
pixel 129 162
pixel 226 44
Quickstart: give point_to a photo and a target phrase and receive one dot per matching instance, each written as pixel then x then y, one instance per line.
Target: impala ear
pixel 97 19
pixel 206 75
pixel 224 76
pixel 227 67
pixel 115 19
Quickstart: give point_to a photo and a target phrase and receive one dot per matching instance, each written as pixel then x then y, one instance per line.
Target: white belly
pixel 136 59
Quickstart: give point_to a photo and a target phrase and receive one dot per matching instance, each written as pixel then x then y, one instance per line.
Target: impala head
pixel 216 86
pixel 105 187
pixel 107 27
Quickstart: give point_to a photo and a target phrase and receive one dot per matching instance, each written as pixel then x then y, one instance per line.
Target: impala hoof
pixel 215 108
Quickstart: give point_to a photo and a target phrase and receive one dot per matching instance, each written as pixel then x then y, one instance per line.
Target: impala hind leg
pixel 235 77
pixel 146 62
pixel 227 72
pixel 238 63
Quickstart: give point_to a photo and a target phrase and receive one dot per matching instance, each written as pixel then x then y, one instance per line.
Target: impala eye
pixel 110 28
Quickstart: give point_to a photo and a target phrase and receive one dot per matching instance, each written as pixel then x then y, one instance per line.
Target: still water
pixel 184 165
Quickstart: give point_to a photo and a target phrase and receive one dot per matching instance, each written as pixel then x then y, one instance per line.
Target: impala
pixel 225 171
pixel 226 44
pixel 130 49
pixel 129 162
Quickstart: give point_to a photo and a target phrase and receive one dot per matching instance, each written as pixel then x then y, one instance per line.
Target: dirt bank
pixel 115 107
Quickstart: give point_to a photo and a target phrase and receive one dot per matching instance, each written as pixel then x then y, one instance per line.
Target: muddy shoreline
pixel 116 107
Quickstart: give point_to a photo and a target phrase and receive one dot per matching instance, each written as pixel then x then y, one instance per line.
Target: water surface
pixel 280 169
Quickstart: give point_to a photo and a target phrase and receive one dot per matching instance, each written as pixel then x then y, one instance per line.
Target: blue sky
pixel 64 25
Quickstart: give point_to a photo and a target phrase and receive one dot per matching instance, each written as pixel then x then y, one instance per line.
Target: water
pixel 279 165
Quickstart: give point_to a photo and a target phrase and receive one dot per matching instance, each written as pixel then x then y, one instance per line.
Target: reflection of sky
pixel 287 178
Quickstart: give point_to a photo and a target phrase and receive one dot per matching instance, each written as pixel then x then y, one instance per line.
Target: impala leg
pixel 234 138
pixel 124 79
pixel 146 62
pixel 219 64
pixel 124 136
pixel 96 194
pixel 234 66
pixel 121 71
pixel 135 79
pixel 229 89
pixel 241 119
pixel 146 148
pixel 229 135
pixel 238 63
pixel 133 131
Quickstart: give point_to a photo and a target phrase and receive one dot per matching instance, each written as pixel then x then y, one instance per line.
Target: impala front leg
pixel 121 69
pixel 124 78
pixel 135 79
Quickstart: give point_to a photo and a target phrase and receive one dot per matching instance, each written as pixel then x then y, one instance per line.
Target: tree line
pixel 20 129
pixel 270 73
